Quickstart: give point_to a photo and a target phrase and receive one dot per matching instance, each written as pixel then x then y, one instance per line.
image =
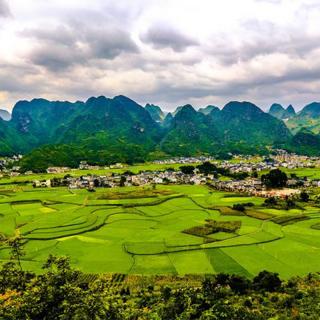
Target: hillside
pixel 209 109
pixel 104 130
pixel 245 126
pixel 155 112
pixel 305 142
pixel 190 133
pixel 278 111
pixel 308 117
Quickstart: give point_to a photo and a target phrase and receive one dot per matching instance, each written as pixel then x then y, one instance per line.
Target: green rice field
pixel 145 231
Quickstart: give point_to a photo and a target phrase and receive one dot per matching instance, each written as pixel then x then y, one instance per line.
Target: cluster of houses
pixel 284 160
pixel 118 180
pixel 84 165
pixel 7 167
pixel 185 160
pixel 251 186
pixel 248 164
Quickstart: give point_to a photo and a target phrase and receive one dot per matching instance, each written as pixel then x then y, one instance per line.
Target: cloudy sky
pixel 167 52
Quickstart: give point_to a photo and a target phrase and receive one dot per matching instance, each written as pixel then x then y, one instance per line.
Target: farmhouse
pixel 58 169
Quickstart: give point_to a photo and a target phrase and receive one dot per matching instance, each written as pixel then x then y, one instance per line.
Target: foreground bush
pixel 64 293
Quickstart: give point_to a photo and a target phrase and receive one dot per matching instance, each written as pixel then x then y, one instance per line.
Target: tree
pixel 60 293
pixel 304 196
pixel 239 207
pixel 17 252
pixel 187 169
pixel 272 201
pixel 268 281
pixel 207 168
pixel 289 203
pixel 275 179
pixel 239 284
pixel 13 278
pixel 128 173
pixel 254 174
pixel 123 179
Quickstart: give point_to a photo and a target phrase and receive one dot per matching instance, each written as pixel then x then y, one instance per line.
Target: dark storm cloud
pixel 4 9
pixel 164 37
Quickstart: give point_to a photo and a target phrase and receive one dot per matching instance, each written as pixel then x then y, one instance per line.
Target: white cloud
pixel 167 52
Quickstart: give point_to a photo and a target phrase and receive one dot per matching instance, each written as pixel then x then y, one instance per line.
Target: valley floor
pixel 159 231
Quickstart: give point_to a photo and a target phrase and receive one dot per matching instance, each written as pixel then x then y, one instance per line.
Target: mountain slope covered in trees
pixel 106 130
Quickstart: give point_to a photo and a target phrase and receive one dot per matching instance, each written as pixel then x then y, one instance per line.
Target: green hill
pixel 245 123
pixel 105 130
pixel 190 133
pixel 305 142
pixel 278 111
pixel 308 117
pixel 155 112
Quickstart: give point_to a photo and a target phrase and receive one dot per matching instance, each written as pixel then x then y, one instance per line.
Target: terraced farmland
pixel 170 230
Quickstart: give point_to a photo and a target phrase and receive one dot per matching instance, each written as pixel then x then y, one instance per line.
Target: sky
pixel 165 52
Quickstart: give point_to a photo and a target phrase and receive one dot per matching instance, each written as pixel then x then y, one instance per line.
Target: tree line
pixel 62 292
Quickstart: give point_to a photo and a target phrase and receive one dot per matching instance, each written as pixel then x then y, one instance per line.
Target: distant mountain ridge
pixel 307 118
pixel 278 111
pixel 209 109
pixel 106 130
pixel 155 112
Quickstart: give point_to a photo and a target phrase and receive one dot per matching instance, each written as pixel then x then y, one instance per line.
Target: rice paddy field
pixel 168 230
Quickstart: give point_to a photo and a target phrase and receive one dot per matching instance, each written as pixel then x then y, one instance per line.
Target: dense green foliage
pixel 245 123
pixel 190 133
pixel 71 155
pixel 278 111
pixel 62 292
pixel 305 142
pixel 307 118
pixel 209 109
pixel 155 112
pixel 275 179
pixel 104 131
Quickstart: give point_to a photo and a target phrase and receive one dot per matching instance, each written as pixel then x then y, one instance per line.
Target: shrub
pixel 239 207
pixel 267 281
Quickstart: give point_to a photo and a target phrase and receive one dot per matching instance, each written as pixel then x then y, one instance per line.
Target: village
pixel 251 184
pixel 242 174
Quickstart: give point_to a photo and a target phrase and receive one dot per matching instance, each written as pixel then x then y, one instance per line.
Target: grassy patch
pixel 316 226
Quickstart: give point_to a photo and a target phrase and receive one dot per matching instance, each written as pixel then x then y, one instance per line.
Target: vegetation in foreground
pixel 62 292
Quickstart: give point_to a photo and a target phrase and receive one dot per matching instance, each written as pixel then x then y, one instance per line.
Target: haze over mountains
pixel 5 115
pixel 278 111
pixel 103 130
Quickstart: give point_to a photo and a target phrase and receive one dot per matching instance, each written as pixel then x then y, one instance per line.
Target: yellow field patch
pixel 47 210
pixel 85 239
